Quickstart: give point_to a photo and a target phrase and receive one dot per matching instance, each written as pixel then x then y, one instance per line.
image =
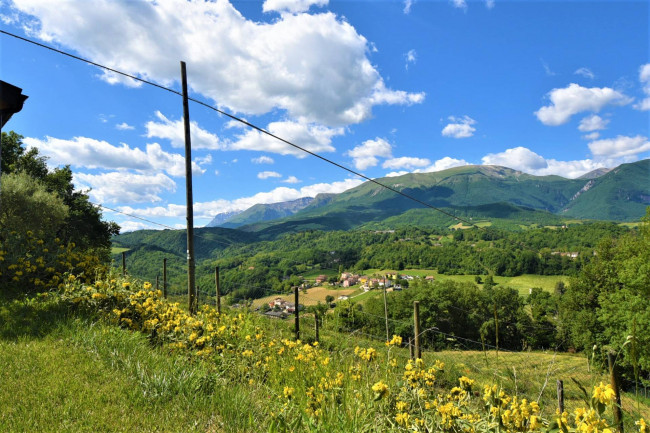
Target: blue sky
pixel 385 88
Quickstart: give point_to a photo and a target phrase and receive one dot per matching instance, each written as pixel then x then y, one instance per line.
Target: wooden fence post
pixel 386 312
pixel 416 320
pixel 165 278
pixel 157 282
pixel 618 415
pixel 216 279
pixel 411 349
pixel 124 263
pixel 316 318
pixel 560 395
pixel 296 312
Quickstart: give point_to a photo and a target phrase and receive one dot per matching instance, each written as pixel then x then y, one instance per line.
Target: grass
pixel 87 376
pixel 521 283
pixel 119 250
pixel 313 296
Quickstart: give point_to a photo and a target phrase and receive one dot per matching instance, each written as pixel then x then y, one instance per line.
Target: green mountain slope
pixel 622 194
pixel 266 212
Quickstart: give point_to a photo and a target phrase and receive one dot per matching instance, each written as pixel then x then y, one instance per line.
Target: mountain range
pixel 474 191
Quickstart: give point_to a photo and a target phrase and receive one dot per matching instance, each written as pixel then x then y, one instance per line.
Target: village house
pixel 321 279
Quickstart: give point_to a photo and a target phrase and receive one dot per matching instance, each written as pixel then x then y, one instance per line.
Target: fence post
pixel 165 278
pixel 124 263
pixel 560 395
pixel 296 312
pixel 216 279
pixel 618 415
pixel 496 331
pixel 386 312
pixel 316 318
pixel 416 320
pixel 157 282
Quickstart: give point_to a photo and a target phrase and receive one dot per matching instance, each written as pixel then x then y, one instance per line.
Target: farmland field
pixel 313 296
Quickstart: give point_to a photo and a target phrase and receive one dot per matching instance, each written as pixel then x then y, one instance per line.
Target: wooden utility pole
pixel 165 278
pixel 618 415
pixel 216 279
pixel 191 279
pixel 296 313
pixel 560 395
pixel 124 263
pixel 386 312
pixel 416 326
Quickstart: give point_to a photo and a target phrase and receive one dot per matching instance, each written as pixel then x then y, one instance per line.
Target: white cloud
pixel 574 99
pixel 585 72
pixel 407 6
pixel 314 66
pixel 122 187
pixel 263 160
pixel 124 126
pixel 411 58
pixel 489 4
pixel 292 6
pixel 519 158
pixel 620 147
pixel 591 136
pixel 644 78
pixel 209 209
pixel 131 226
pixel 397 173
pixel 314 138
pixel 461 127
pixel 91 153
pixel 459 4
pixel 365 155
pixel 268 174
pixel 593 123
pixel 405 162
pixel 443 164
pixel 216 172
pixel 291 179
pixel 174 131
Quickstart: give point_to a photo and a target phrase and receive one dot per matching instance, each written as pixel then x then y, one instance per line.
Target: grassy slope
pixel 82 378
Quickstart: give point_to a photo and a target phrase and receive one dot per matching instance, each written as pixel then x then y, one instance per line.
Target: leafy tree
pixel 83 224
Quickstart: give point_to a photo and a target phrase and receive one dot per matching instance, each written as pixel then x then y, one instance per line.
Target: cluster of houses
pixel 367 283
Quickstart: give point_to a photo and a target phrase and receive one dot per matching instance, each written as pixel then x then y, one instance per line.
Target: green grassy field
pixel 521 283
pixel 119 250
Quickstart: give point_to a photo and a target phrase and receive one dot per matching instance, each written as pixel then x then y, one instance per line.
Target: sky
pixel 382 87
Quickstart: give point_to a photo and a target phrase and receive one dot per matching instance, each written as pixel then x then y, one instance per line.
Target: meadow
pixel 115 356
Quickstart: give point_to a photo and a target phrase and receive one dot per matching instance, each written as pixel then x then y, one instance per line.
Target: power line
pixel 257 128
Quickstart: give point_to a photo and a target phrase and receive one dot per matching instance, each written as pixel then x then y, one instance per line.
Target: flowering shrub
pixel 31 263
pixel 311 388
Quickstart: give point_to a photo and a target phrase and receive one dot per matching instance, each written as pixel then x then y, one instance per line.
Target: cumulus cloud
pixel 365 155
pixel 407 6
pixel 593 123
pixel 406 162
pixel 90 153
pixel 207 210
pixel 292 6
pixel 461 127
pixel 566 102
pixel 644 78
pixel 131 226
pixel 525 160
pixel 443 164
pixel 174 131
pixel 315 138
pixel 263 160
pixel 585 72
pixel 291 179
pixel 118 186
pixel 314 66
pixel 622 147
pixel 268 174
pixel 124 126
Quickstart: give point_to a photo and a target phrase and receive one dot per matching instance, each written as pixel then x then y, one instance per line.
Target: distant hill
pixel 595 173
pixel 266 212
pixel 620 194
pixel 223 217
